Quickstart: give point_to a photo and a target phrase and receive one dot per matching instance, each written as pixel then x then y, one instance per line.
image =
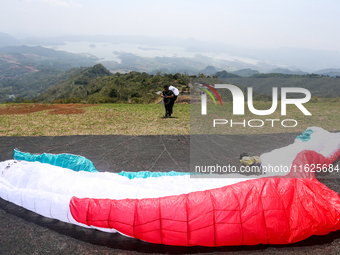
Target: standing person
pixel 176 93
pixel 168 98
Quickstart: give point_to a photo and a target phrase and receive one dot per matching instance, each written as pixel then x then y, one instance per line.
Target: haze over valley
pixel 171 55
pixel 47 42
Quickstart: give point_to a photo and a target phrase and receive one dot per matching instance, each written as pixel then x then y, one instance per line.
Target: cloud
pixel 56 3
pixel 25 1
pixel 76 5
pixel 60 3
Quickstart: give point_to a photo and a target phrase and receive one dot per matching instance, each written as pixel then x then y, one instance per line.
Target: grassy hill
pixel 97 85
pixel 32 84
pixel 26 71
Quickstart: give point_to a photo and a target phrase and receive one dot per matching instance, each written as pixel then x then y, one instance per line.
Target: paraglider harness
pixel 176 92
pixel 250 161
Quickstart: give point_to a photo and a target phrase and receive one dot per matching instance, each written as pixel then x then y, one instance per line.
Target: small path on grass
pixel 54 108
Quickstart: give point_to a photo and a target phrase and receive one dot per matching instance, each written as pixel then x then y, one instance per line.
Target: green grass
pixel 146 119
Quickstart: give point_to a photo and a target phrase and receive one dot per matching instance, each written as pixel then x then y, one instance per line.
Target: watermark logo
pixel 238 99
pixel 225 113
pixel 204 96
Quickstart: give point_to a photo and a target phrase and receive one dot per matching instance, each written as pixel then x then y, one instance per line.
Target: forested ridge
pixel 96 84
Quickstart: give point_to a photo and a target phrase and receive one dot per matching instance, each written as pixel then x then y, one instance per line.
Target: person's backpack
pixel 175 90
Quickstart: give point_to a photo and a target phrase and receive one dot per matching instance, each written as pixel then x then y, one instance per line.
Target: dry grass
pixel 106 119
pixel 131 119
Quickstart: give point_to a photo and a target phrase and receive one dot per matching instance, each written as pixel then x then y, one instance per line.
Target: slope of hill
pixel 287 71
pixel 39 56
pixel 246 72
pixel 13 65
pixel 7 40
pixel 209 70
pixel 331 72
pixel 18 60
pixel 26 71
pixel 97 85
pixel 224 74
pixel 77 84
pixel 30 85
pixel 42 53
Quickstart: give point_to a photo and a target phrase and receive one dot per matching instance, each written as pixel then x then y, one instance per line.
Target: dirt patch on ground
pixel 60 108
pixel 55 108
pixel 183 100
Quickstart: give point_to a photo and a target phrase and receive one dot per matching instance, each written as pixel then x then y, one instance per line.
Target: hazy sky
pixel 312 24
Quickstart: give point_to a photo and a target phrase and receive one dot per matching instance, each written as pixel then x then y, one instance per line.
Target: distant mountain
pixel 42 53
pixel 32 84
pixel 14 65
pixel 331 72
pixel 133 62
pixel 225 74
pixel 16 61
pixel 246 72
pixel 26 71
pixel 7 40
pixel 300 58
pixel 177 63
pixel 260 59
pixel 209 70
pixel 287 71
pixel 318 85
